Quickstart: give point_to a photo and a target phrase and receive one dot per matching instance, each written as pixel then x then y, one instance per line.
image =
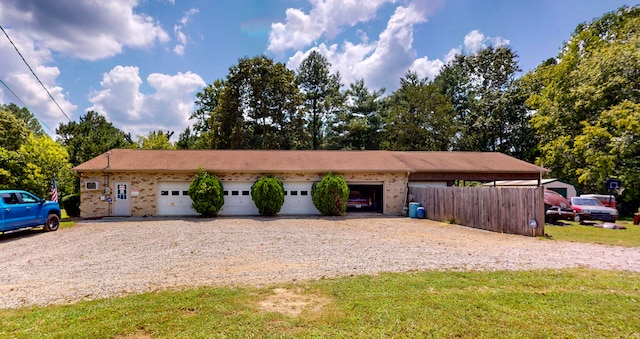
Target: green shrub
pixel 268 195
pixel 207 194
pixel 71 204
pixel 330 195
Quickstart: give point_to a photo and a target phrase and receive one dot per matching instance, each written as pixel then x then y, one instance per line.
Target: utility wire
pixel 34 73
pixel 24 105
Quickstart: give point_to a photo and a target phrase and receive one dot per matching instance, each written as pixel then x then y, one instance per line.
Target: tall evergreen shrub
pixel 207 194
pixel 330 195
pixel 268 195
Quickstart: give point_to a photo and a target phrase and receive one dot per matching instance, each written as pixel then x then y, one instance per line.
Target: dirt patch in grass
pixel 292 302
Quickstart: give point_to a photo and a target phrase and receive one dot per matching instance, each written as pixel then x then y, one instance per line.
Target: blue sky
pixel 141 62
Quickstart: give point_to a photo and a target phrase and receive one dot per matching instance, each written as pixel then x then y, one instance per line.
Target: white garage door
pixel 237 199
pixel 297 199
pixel 173 199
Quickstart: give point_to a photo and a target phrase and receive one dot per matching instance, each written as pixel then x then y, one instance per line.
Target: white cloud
pixel 426 68
pixel 167 108
pixel 182 38
pixel 475 41
pixel 86 29
pixel 380 63
pixel 26 87
pixel 327 17
pixel 179 49
pixel 120 99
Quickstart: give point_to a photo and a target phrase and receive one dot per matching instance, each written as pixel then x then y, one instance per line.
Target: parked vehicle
pixel 358 200
pixel 556 207
pixel 605 199
pixel 592 209
pixel 21 210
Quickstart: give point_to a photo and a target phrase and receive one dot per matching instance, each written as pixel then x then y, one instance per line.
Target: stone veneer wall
pixel 94 203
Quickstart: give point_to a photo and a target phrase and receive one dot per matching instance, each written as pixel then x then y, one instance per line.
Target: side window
pixel 10 199
pixel 28 198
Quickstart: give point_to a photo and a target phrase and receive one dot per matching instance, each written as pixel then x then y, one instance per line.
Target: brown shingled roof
pixel 276 161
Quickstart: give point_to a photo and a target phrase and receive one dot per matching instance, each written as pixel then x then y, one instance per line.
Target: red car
pixel 357 200
pixel 592 209
pixel 556 207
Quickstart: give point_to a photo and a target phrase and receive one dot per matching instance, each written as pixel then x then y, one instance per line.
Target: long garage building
pixel 126 182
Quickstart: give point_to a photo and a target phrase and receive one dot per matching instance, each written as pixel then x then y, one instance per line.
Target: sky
pixel 140 63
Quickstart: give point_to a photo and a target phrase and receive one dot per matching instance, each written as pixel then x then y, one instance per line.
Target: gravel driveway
pixel 106 258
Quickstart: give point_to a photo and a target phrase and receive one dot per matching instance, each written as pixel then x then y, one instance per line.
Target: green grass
pixel 537 304
pixel 68 221
pixel 573 231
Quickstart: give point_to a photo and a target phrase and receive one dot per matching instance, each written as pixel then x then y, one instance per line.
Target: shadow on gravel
pixel 19 234
pixel 197 219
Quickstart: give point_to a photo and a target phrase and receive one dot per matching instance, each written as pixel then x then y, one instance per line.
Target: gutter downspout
pixel 107 187
pixel 405 209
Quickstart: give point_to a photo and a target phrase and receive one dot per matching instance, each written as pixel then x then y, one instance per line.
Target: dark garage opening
pixel 365 198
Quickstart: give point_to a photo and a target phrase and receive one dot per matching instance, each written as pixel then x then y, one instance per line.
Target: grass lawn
pixel 551 303
pixel 573 231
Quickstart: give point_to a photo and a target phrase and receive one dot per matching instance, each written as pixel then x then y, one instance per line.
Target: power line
pixel 34 73
pixel 25 105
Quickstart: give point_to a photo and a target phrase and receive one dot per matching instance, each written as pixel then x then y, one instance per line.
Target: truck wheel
pixel 52 223
pixel 577 219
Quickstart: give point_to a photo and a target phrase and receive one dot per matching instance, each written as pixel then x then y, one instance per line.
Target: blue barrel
pixel 413 209
pixel 420 213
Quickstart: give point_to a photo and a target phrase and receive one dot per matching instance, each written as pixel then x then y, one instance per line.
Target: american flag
pixel 54 190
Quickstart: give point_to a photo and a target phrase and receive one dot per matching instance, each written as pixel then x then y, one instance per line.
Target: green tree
pixel 155 140
pixel 418 117
pixel 611 148
pixel 359 125
pixel 23 114
pixel 330 195
pixel 46 159
pixel 30 160
pixel 258 108
pixel 207 194
pixel 209 126
pixel 584 100
pixel 478 86
pixel 189 140
pixel 90 137
pixel 268 195
pixel 322 97
pixel 13 131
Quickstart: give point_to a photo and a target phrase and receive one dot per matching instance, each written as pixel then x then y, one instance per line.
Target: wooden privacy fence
pixel 504 210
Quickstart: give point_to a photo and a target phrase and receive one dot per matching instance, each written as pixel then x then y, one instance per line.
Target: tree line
pixel 576 114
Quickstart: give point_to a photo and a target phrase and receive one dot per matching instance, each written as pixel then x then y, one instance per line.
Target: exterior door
pixel 174 199
pixel 297 199
pixel 237 199
pixel 15 213
pixel 122 204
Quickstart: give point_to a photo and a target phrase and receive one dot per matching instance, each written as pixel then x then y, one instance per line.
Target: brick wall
pixel 94 203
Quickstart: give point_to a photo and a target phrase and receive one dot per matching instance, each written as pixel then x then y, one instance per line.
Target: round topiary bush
pixel 268 195
pixel 71 204
pixel 207 194
pixel 330 195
